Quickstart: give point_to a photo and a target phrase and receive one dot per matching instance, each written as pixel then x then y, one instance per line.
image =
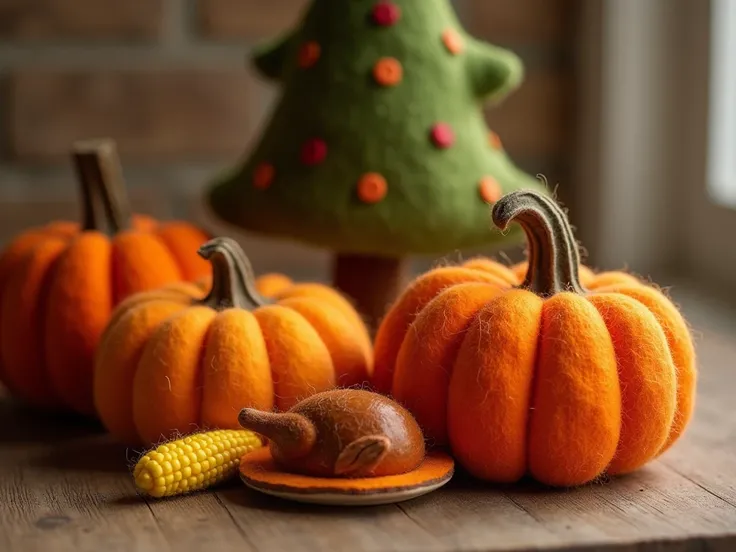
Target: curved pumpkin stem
pixel 105 206
pixel 292 433
pixel 233 280
pixel 554 258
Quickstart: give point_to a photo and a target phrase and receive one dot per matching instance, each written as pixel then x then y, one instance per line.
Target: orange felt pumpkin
pixel 566 375
pixel 59 283
pixel 175 360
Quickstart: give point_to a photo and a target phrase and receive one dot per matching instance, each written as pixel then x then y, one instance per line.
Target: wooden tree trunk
pixel 372 282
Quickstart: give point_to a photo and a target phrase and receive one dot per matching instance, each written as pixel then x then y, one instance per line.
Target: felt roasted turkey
pixel 176 359
pixel 562 374
pixel 341 433
pixel 344 446
pixel 59 283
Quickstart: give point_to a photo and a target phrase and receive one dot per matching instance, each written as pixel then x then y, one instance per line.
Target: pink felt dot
pixel 386 14
pixel 442 135
pixel 313 151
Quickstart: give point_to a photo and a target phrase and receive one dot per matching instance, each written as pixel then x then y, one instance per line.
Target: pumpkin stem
pixel 233 280
pixel 292 433
pixel 105 206
pixel 553 252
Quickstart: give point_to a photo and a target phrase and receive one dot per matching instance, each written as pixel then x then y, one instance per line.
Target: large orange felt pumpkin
pixel 173 360
pixel 565 375
pixel 59 283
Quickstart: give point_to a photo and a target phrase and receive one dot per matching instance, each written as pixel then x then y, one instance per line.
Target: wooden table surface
pixel 65 486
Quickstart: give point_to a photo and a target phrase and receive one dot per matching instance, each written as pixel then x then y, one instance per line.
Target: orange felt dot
pixel 309 53
pixel 388 71
pixel 372 188
pixel 263 176
pixel 489 189
pixel 494 140
pixel 453 41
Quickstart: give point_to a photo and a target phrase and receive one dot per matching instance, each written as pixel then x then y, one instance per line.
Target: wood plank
pixel 54 500
pixel 278 525
pixel 655 504
pixel 73 487
pixel 199 522
pixel 707 456
pixel 473 516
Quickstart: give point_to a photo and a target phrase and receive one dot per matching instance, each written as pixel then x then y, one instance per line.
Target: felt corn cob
pixel 193 463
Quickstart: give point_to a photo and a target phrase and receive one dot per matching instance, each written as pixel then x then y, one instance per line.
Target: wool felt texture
pixel 565 386
pixel 401 315
pixel 272 284
pixel 259 469
pixel 169 362
pixel 421 379
pixel 576 413
pixel 485 389
pixel 348 160
pixel 58 286
pixel 341 433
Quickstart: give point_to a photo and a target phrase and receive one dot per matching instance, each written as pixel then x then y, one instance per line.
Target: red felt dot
pixel 386 14
pixel 313 151
pixel 263 176
pixel 309 53
pixel 442 135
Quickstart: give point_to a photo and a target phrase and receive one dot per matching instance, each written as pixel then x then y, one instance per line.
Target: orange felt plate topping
pixel 258 469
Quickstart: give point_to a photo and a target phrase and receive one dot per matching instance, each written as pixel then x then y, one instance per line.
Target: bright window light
pixel 722 146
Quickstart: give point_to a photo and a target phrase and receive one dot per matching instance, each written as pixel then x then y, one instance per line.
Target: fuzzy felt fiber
pixel 566 388
pixel 167 365
pixel 58 287
pixel 377 144
pixel 428 353
pixel 402 314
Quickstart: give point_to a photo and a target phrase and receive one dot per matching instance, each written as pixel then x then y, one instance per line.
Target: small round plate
pixel 258 471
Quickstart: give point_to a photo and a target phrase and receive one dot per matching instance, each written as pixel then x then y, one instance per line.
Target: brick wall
pixel 168 80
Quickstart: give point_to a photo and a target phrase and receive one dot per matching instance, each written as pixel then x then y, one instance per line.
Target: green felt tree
pixel 377 147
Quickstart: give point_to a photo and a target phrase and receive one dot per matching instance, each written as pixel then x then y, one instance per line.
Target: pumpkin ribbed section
pixel 175 359
pixel 556 371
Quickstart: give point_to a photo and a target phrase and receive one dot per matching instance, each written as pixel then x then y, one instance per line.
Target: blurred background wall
pixel 169 80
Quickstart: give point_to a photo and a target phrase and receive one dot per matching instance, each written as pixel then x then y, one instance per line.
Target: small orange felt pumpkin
pixel 59 283
pixel 173 360
pixel 549 376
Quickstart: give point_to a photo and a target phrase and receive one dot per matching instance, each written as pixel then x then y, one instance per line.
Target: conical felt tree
pixel 377 148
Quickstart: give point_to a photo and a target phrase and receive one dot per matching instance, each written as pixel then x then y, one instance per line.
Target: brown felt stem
pixel 105 206
pixel 554 258
pixel 292 433
pixel 372 282
pixel 233 279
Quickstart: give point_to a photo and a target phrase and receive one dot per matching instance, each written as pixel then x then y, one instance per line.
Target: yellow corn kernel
pixel 194 462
